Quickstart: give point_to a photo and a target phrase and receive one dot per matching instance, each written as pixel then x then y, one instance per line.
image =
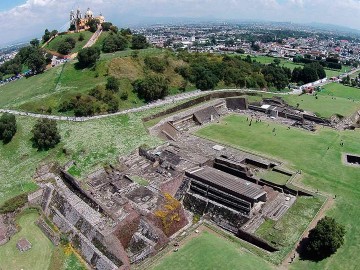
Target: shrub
pixel 112 84
pixel 155 63
pixel 13 204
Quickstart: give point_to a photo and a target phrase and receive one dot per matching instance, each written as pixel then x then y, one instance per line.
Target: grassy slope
pixel 209 251
pixel 322 169
pixel 38 257
pixel 49 89
pixel 54 44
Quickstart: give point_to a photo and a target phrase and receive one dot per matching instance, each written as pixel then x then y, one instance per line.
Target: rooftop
pixel 227 181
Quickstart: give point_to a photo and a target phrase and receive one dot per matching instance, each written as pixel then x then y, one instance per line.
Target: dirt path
pixel 287 261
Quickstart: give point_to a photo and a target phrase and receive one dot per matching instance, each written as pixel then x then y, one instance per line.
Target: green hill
pixel 45 92
pixel 54 44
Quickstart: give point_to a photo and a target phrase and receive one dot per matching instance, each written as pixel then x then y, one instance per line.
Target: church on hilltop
pixel 78 22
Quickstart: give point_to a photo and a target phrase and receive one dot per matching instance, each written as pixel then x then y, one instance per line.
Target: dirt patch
pixel 125 68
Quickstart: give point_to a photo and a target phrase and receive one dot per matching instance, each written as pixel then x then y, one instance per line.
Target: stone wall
pixel 248 237
pixel 45 228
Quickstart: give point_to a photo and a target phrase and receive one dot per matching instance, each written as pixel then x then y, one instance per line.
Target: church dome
pixel 89 13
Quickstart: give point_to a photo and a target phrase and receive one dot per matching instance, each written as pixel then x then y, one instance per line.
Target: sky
pixel 25 19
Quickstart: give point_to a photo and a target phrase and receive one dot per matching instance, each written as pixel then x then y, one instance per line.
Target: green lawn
pixel 285 232
pixel 322 169
pixel 275 177
pixel 139 180
pixel 38 257
pixel 54 44
pixel 210 251
pixel 340 90
pixel 324 105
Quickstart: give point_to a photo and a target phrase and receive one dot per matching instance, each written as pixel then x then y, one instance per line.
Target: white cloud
pixel 34 16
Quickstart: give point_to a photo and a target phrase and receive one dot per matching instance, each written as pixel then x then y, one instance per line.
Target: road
pixel 157 103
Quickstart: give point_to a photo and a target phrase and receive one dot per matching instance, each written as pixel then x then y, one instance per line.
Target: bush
pixel 81 37
pixel 7 127
pixel 13 204
pixel 112 84
pixel 45 134
pixel 155 63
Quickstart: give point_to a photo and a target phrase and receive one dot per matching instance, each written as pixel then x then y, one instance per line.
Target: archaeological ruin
pixel 127 212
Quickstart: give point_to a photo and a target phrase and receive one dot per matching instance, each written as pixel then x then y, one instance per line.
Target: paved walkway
pixel 157 103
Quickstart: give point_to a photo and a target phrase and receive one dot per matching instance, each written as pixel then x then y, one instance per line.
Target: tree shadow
pixel 306 255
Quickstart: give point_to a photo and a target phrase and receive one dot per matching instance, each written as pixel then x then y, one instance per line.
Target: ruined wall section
pixel 83 225
pixel 224 217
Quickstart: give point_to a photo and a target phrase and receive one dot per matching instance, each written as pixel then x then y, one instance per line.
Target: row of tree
pixel 329 62
pixel 31 56
pixel 206 71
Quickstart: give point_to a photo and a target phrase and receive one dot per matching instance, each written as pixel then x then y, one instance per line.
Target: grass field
pixel 38 257
pixel 54 44
pixel 322 169
pixel 342 91
pixel 324 105
pixel 210 251
pixel 275 177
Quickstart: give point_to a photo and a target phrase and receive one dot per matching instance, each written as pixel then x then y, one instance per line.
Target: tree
pixel 309 74
pixel 36 61
pixel 112 84
pixel 81 37
pixel 7 127
pixel 114 42
pixel 93 25
pixel 325 239
pixel 277 61
pixel 71 41
pixel 139 42
pixel 35 42
pixel 276 76
pixel 88 56
pixel 152 87
pixel 106 26
pixel 64 48
pixel 45 134
pixel 46 36
pixel 72 27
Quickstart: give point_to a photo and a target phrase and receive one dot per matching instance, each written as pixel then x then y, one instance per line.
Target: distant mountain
pixel 333 27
